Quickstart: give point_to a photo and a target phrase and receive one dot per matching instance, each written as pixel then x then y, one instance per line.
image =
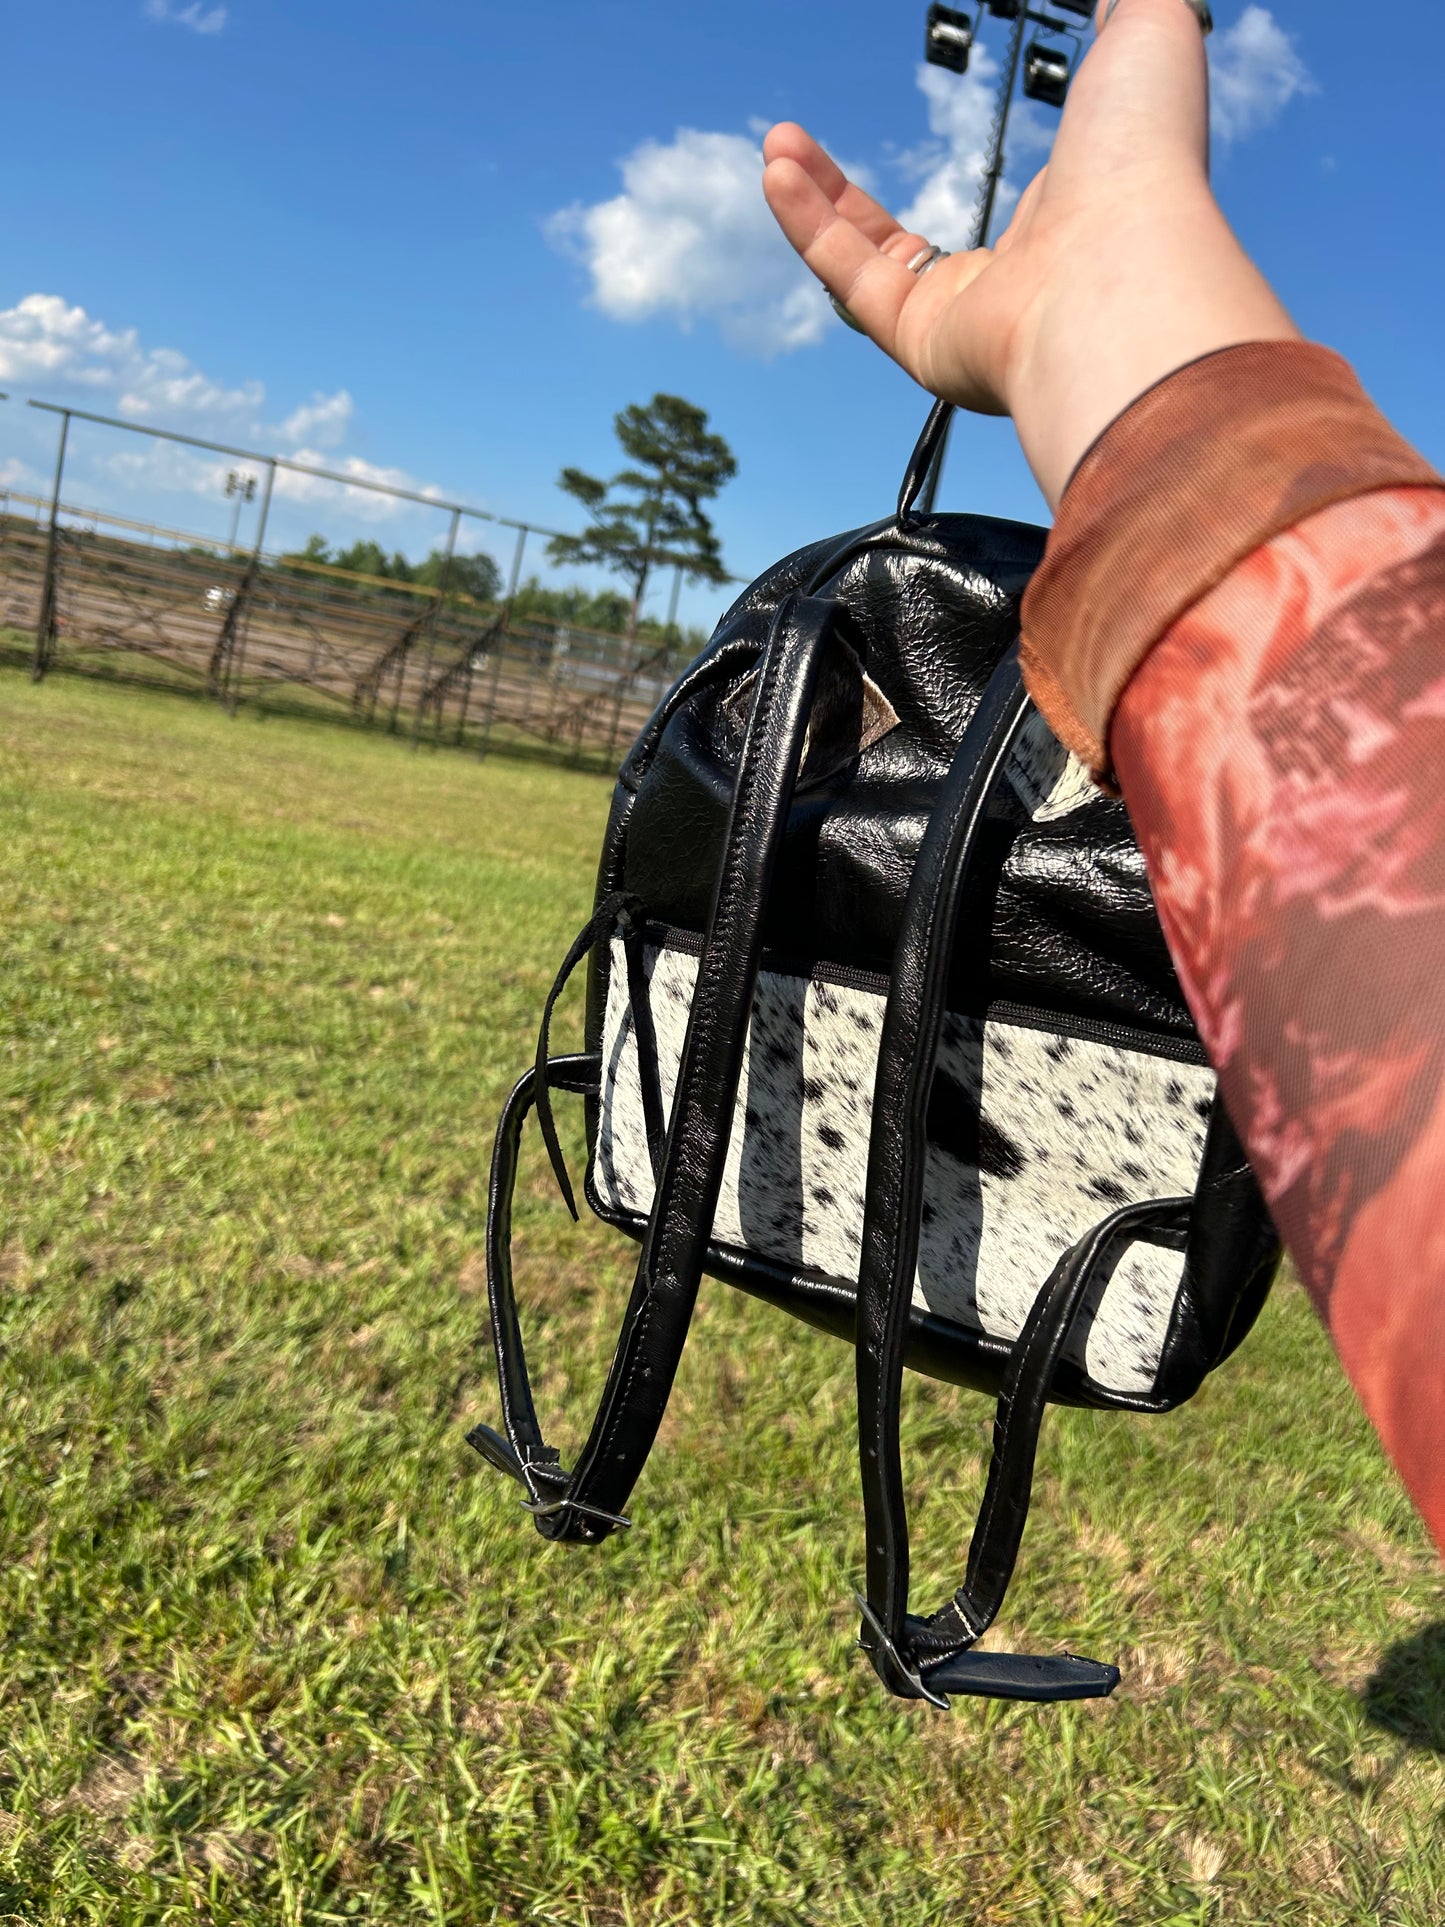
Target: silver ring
pixel 844 316
pixel 925 259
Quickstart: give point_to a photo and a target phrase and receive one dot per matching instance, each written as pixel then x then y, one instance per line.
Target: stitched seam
pixel 748 778
pixel 892 1342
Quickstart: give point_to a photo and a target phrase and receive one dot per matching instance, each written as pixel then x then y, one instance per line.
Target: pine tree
pixel 650 515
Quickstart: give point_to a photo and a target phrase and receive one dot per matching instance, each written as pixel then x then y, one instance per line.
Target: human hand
pixel 1117 267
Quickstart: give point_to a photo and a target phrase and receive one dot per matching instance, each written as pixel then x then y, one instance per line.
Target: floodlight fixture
pixel 242 486
pixel 1046 67
pixel 1047 72
pixel 948 39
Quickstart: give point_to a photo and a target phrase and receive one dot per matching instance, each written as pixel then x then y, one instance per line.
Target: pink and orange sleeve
pixel 1241 623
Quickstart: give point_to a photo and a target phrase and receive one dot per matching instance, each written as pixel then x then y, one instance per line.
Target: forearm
pixel 1282 752
pixel 1176 286
pixel 1144 272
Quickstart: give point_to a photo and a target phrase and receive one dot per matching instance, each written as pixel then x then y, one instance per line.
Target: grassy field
pixel 278 1649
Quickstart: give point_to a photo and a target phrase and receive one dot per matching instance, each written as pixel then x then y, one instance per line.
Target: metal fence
pixel 92 591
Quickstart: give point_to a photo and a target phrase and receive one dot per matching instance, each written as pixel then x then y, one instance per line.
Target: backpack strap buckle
pixel 903 1681
pixel 550 1508
pixel 535 1472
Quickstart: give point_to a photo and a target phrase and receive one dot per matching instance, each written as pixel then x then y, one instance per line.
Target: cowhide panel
pixel 1049 780
pixel 1034 1138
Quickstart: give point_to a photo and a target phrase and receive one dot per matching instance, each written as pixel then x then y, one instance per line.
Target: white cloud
pixel 690 236
pixel 167 466
pixel 1254 73
pixel 363 503
pixel 67 354
pixel 950 167
pixel 198 18
pixel 324 419
pixel 175 469
pixel 45 339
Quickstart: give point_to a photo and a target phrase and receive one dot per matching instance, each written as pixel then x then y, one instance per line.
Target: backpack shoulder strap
pixel 915 1658
pixel 586 1505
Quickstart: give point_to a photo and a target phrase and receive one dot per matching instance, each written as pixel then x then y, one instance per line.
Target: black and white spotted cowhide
pixel 1033 1138
pixel 1050 781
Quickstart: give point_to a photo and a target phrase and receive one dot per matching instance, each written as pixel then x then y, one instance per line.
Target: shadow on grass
pixel 1407 1694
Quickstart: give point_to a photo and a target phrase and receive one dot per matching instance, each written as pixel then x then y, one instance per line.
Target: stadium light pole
pixel 949 39
pixel 243 487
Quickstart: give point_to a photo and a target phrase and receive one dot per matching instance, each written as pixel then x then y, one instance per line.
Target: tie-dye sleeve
pixel 1282 753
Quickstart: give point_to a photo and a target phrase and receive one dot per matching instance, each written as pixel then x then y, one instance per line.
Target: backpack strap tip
pixel 1023 1676
pixel 543 1468
pixel 1002 1676
pixel 497 1451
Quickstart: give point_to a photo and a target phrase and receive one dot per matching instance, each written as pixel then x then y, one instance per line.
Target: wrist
pixel 1126 311
pixel 1201 471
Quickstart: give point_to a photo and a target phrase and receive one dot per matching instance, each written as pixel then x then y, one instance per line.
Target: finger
pixel 788 141
pixel 872 285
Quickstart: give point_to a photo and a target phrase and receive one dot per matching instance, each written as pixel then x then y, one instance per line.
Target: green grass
pixel 278 1649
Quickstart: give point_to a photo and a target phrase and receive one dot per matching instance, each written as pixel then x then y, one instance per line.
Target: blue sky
pixel 448 240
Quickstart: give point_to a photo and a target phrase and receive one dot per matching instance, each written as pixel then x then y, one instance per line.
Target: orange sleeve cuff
pixel 1203 469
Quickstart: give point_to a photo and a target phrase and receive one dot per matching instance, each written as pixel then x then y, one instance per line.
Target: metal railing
pixel 106 594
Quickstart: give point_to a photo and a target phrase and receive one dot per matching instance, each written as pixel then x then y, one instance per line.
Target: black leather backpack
pixel 881 1027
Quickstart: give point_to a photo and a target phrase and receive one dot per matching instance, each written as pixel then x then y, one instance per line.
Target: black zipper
pixel 1086 1030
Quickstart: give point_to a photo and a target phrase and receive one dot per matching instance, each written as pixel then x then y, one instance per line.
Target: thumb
pixel 1139 104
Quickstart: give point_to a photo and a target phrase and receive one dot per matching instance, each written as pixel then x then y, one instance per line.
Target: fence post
pixel 45 627
pixel 401 655
pixel 504 625
pixel 245 596
pixel 494 695
pixel 466 699
pixel 625 673
pixel 431 628
pixel 516 576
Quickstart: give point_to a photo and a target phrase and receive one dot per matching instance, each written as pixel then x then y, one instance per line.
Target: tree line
pixel 476 576
pixel 648 517
pixel 478 579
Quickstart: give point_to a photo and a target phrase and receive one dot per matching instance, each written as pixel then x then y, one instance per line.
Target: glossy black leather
pixel 1059 914
pixel 916 1658
pixel 929 614
pixel 912 1028
pixel 876 862
pixel 524 1453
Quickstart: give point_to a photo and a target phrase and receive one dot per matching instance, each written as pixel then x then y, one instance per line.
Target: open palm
pixel 950 327
pixel 1116 268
